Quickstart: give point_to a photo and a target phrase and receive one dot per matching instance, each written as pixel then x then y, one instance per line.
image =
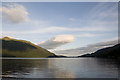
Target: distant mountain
pixel 109 52
pixel 86 55
pixel 58 56
pixel 20 48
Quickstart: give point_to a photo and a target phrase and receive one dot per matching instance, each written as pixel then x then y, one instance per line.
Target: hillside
pixel 109 52
pixel 21 48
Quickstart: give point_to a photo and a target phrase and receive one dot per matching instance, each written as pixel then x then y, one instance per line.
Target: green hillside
pixel 21 48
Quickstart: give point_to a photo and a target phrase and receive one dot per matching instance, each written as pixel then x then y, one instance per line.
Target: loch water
pixel 59 68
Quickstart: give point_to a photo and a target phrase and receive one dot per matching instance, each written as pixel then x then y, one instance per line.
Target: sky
pixel 61 27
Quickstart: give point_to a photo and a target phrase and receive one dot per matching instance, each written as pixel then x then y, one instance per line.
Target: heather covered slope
pixel 21 48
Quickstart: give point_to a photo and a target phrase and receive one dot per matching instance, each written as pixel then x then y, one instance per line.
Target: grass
pixel 22 48
pixel 27 53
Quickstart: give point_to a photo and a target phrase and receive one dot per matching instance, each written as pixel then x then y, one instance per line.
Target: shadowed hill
pixel 16 45
pixel 109 52
pixel 21 48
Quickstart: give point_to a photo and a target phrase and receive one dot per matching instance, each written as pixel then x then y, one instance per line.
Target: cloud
pixel 99 19
pixel 57 29
pixel 86 35
pixel 57 41
pixel 14 13
pixel 88 49
pixel 72 19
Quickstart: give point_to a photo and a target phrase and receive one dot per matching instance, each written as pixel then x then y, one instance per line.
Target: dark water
pixel 59 68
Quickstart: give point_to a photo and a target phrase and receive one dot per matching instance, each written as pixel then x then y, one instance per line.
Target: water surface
pixel 59 68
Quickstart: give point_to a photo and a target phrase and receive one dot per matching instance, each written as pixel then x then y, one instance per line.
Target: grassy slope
pixel 22 48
